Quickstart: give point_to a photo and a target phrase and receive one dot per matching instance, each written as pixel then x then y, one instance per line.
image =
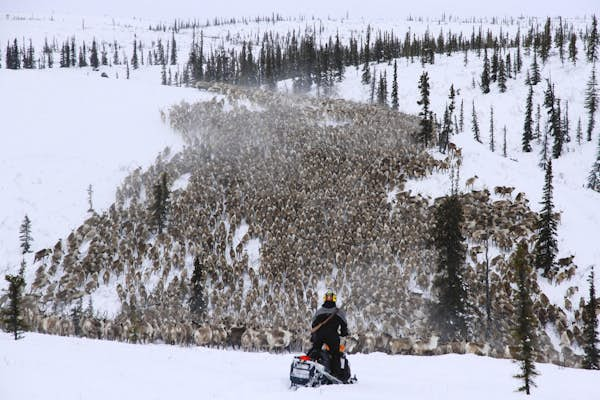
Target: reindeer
pixel 41 254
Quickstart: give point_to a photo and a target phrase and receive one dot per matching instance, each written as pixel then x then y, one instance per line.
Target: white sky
pixel 356 8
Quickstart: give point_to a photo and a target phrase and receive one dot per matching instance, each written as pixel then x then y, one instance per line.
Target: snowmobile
pixel 314 370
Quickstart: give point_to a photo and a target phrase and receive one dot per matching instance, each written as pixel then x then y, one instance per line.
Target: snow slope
pixel 58 368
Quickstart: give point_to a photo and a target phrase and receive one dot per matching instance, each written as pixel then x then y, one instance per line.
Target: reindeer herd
pixel 286 196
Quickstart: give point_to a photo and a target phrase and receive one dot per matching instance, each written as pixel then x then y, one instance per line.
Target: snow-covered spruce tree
pixel 395 87
pixel 504 142
pixel 594 177
pixel 536 76
pixel 492 142
pixel 546 42
pixel 173 49
pixel 366 72
pixel 94 62
pixel 538 122
pixel 197 302
pixel 475 125
pixel 12 314
pixel 554 126
pixel 449 313
pixel 579 131
pixel 525 324
pixel 160 203
pixel 593 40
pixel 546 245
pixel 566 124
pixel 528 124
pixel 25 235
pixel 591 102
pixel 573 48
pixel 501 76
pixel 461 118
pixel 591 359
pixel 425 134
pixel 90 192
pixel 485 74
pixel 559 40
pixel 76 316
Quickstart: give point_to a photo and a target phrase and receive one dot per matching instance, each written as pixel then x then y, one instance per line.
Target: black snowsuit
pixel 328 333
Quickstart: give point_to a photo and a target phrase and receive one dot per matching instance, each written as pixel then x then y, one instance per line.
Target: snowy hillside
pixel 58 368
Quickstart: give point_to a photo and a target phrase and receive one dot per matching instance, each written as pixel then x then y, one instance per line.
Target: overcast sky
pixel 355 8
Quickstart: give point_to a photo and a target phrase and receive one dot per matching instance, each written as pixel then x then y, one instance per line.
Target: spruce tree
pixel 94 62
pixel 594 177
pixel 395 87
pixel 461 120
pixel 485 75
pixel 566 124
pixel 492 141
pixel 173 49
pixel 426 132
pixel 546 245
pixel 12 314
pixel 536 76
pixel 528 124
pixel 591 359
pixel 450 310
pixel 559 40
pixel 546 42
pixel 160 203
pixel 525 324
pixel 592 45
pixel 76 316
pixel 504 154
pixel 501 76
pixel 25 235
pixel 538 120
pixel 134 59
pixel 579 132
pixel 573 48
pixel 197 302
pixel 554 126
pixel 591 102
pixel 366 75
pixel 475 125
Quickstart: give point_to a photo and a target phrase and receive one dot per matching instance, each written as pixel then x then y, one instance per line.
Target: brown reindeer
pixel 41 254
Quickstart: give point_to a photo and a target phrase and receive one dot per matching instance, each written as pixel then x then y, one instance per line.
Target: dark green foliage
pixel 475 124
pixel 492 141
pixel 160 203
pixel 395 87
pixel 591 102
pixel 546 245
pixel 25 235
pixel 546 41
pixel 94 62
pixel 594 177
pixel 425 134
pixel 76 316
pixel 573 48
pixel 536 76
pixel 449 313
pixel 461 118
pixel 382 93
pixel 526 323
pixel 173 49
pixel 134 59
pixel 559 39
pixel 592 45
pixel 554 125
pixel 528 124
pixel 501 76
pixel 197 302
pixel 485 75
pixel 12 315
pixel 591 359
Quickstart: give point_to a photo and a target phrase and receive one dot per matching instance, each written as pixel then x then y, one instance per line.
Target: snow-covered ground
pixel 58 368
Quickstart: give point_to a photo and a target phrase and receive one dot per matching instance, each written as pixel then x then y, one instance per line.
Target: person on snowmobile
pixel 326 323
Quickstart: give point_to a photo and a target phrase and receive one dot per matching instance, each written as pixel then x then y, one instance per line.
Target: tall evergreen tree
pixel 546 42
pixel 366 75
pixel 134 59
pixel 25 235
pixel 173 49
pixel 197 302
pixel 559 40
pixel 450 311
pixel 504 154
pixel 76 316
pixel 426 132
pixel 593 40
pixel 591 359
pixel 475 125
pixel 160 203
pixel 485 75
pixel 591 102
pixel 594 177
pixel 94 62
pixel 395 87
pixel 461 120
pixel 525 324
pixel 546 245
pixel 554 126
pixel 579 132
pixel 536 76
pixel 573 48
pixel 12 314
pixel 528 124
pixel 501 76
pixel 492 141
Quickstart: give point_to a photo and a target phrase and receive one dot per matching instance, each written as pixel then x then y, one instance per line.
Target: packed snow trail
pixel 60 368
